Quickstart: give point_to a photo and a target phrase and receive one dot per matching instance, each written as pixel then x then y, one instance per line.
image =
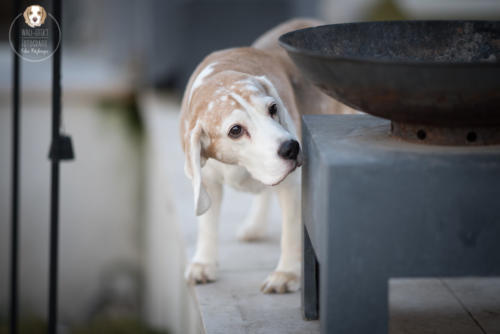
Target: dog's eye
pixel 236 131
pixel 31 12
pixel 273 109
pixel 38 12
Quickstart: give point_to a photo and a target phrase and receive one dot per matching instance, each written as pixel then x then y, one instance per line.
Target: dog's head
pixel 237 119
pixel 34 15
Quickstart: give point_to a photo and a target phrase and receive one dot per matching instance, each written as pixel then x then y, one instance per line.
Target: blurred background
pixel 121 255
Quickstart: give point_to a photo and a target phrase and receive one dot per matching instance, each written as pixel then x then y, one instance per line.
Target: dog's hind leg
pixel 255 224
pixel 203 267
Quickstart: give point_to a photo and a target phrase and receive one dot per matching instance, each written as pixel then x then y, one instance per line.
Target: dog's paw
pixel 250 232
pixel 201 273
pixel 281 282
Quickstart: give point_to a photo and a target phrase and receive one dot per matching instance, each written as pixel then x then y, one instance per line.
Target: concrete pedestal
pixel 376 207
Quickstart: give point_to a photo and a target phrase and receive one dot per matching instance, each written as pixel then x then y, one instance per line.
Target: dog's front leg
pixel 203 266
pixel 286 277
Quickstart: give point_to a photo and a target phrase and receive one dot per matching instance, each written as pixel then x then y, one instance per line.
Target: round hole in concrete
pixel 471 136
pixel 421 134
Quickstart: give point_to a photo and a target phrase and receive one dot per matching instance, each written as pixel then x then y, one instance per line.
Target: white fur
pixel 255 227
pixel 258 167
pixel 201 199
pixel 260 155
pixel 199 79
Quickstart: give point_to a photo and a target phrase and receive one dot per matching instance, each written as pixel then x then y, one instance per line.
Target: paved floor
pixel 234 303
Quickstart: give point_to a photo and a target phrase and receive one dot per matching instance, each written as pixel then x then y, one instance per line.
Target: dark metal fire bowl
pixel 443 74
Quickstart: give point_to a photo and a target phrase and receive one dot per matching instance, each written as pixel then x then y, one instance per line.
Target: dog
pixel 34 16
pixel 240 126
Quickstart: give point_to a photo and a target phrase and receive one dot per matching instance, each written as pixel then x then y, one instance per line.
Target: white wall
pixel 169 302
pixel 100 206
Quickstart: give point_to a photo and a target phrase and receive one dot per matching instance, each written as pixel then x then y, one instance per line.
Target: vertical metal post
pixel 13 312
pixel 54 188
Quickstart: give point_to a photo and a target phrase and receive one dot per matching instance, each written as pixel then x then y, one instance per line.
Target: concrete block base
pixel 376 207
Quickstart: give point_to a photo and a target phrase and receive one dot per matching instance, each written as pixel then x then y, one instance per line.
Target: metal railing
pixel 60 149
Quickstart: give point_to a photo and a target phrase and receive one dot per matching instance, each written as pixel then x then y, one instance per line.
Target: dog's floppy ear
pixel 25 14
pixel 192 167
pixel 44 15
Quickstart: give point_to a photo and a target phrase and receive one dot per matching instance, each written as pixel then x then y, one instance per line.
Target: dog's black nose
pixel 289 149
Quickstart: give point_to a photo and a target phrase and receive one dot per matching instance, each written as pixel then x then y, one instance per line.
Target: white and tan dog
pixel 240 126
pixel 34 16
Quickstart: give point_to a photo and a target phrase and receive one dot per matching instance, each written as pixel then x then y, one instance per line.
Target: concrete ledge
pixel 234 303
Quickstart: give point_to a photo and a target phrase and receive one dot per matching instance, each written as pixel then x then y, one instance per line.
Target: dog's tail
pixel 269 41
